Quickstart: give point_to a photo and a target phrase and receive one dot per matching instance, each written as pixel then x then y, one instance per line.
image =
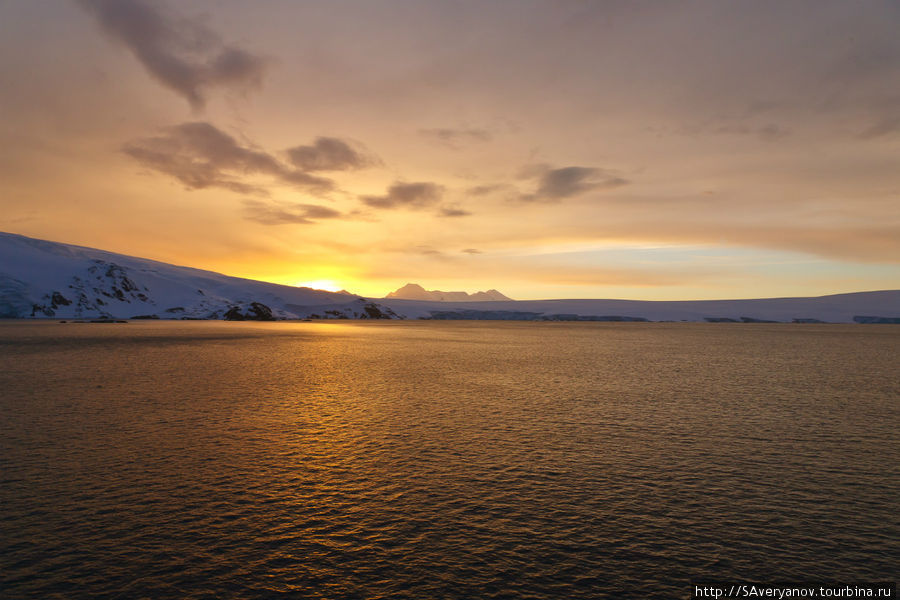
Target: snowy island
pixel 42 279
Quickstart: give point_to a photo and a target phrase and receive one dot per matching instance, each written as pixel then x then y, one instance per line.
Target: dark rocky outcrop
pixel 260 312
pixel 51 303
pixel 603 318
pixel 234 314
pixel 118 284
pixel 517 315
pixel 358 309
pixel 40 309
pixel 257 311
pixel 877 320
pixel 57 300
pixel 484 315
pixel 374 311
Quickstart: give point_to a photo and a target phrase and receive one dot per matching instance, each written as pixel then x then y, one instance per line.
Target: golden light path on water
pixel 433 459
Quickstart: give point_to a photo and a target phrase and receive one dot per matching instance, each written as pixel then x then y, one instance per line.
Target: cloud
pixel 485 190
pixel 453 137
pixel 201 156
pixel 772 132
pixel 453 211
pixel 547 270
pixel 306 181
pixel 885 127
pixel 280 213
pixel 407 195
pixel 768 132
pixel 472 251
pixel 566 182
pixel 181 53
pixel 329 154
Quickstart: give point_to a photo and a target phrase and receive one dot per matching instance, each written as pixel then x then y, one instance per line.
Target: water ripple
pixel 443 460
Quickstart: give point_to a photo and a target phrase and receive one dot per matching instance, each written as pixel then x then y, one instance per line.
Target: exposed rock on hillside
pixel 255 312
pixel 877 320
pixel 40 279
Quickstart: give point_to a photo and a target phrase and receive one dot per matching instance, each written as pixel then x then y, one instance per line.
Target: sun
pixel 321 284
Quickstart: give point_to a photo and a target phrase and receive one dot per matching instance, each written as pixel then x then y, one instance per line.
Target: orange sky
pixel 546 149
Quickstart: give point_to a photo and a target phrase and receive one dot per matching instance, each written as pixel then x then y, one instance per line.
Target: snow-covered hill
pixel 46 279
pixel 881 306
pixel 40 279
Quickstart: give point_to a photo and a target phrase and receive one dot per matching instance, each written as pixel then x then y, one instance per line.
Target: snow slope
pixel 47 279
pixel 839 308
pixel 44 279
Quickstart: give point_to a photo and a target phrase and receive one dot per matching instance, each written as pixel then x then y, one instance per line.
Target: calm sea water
pixel 443 459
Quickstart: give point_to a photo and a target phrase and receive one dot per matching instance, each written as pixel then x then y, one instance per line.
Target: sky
pixel 548 149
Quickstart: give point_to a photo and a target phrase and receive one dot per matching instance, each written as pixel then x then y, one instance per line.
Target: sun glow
pixel 321 284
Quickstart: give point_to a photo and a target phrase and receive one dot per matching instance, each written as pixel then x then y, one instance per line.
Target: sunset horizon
pixel 756 158
pixel 449 299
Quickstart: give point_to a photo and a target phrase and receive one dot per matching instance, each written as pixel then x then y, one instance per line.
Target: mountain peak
pixel 414 291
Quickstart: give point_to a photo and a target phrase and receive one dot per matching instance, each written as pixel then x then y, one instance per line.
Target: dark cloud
pixel 454 211
pixel 772 132
pixel 472 251
pixel 768 132
pixel 200 156
pixel 306 181
pixel 887 126
pixel 181 53
pixel 276 213
pixel 566 182
pixel 207 141
pixel 453 137
pixel 484 190
pixel 407 195
pixel 330 154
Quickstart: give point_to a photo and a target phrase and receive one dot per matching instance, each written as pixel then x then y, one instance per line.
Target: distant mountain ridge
pixel 414 291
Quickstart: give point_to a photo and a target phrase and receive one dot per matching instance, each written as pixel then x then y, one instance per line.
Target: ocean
pixel 438 460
